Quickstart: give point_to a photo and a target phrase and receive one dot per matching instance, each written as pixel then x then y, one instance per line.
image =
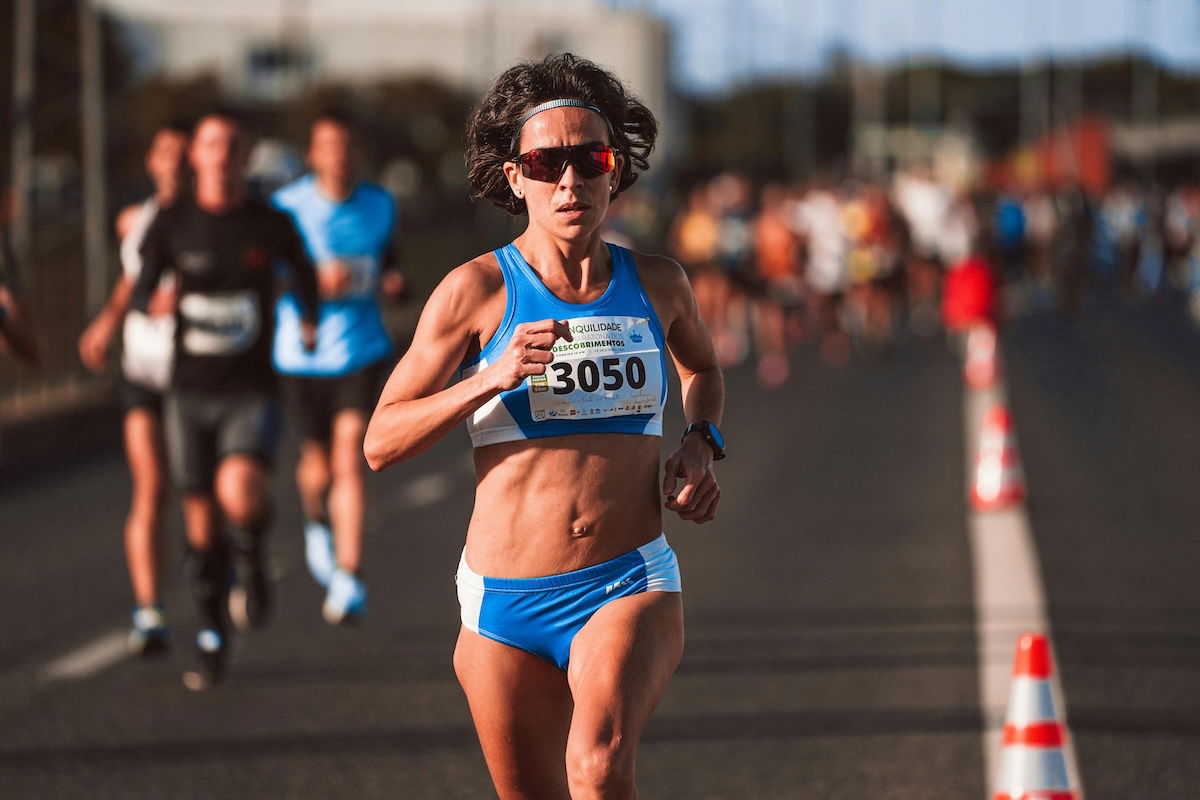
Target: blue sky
pixel 722 40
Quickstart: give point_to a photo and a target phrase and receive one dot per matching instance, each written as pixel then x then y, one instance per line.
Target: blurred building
pixel 270 49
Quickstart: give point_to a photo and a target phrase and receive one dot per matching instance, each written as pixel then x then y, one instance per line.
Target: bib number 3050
pixel 591 376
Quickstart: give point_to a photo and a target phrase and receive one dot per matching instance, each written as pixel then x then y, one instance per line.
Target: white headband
pixel 561 103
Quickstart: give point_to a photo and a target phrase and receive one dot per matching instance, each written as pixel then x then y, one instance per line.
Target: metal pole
pixel 1145 88
pixel 797 116
pixel 24 31
pixel 95 189
pixel 933 92
pixel 1033 89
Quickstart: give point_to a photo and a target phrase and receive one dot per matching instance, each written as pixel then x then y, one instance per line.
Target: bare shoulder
pixel 658 270
pixel 126 219
pixel 666 285
pixel 472 283
pixel 467 298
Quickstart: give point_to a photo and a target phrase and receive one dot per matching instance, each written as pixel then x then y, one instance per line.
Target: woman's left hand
pixel 698 499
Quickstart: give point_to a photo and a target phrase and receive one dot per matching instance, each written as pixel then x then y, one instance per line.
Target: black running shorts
pixel 202 429
pixel 135 395
pixel 313 402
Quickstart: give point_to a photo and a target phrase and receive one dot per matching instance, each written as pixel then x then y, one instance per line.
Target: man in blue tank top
pixel 349 230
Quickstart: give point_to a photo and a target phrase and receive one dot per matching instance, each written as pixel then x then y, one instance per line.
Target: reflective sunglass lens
pixel 549 163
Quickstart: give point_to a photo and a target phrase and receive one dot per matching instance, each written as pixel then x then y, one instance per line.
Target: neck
pixel 333 187
pixel 218 195
pixel 580 264
pixel 166 192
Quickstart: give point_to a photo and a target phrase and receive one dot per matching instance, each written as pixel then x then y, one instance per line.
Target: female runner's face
pixel 573 207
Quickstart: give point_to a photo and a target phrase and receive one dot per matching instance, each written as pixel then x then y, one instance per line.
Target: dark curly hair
pixel 520 88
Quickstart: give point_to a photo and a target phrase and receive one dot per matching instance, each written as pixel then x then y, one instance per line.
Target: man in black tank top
pixel 221 416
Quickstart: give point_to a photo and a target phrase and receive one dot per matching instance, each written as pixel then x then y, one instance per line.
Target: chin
pixel 577 231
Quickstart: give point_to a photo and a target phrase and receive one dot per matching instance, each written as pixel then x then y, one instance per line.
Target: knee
pixel 239 493
pixel 149 491
pixel 600 769
pixel 312 472
pixel 346 449
pixel 347 466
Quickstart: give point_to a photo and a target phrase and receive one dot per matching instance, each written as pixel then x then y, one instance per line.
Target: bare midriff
pixel 552 505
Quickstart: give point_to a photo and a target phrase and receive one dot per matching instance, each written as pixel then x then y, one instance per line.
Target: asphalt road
pixel 831 643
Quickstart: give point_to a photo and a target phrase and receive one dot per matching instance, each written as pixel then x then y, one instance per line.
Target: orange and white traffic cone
pixel 979 368
pixel 1034 765
pixel 999 479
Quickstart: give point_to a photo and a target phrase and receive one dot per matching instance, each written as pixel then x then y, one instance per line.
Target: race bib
pixel 219 324
pixel 611 369
pixel 364 274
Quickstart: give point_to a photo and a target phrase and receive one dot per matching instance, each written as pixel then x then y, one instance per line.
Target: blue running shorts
pixel 542 615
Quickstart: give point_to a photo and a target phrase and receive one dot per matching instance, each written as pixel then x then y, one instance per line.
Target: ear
pixel 515 180
pixel 615 178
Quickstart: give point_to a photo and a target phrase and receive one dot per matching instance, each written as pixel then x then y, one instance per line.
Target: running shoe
pixel 318 551
pixel 149 636
pixel 210 661
pixel 250 600
pixel 346 600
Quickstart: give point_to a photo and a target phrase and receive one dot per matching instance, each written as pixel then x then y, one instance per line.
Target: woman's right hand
pixel 528 352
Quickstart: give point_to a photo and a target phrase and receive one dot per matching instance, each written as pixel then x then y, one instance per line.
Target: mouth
pixel 573 208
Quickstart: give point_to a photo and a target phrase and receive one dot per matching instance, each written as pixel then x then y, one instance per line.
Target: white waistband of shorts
pixel 649 551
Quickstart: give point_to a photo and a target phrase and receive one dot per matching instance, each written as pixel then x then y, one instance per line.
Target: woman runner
pixel 570 594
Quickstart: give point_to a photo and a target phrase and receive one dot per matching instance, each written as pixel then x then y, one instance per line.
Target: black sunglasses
pixel 547 164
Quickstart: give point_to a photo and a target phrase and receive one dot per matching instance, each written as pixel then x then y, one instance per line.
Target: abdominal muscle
pixel 556 504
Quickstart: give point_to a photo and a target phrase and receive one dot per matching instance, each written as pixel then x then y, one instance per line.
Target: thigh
pixel 521 707
pixel 308 406
pixel 135 395
pixel 621 661
pixel 191 448
pixel 358 390
pixel 249 426
pixel 346 449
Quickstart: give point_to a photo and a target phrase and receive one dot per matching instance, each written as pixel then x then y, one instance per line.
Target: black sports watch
pixel 711 435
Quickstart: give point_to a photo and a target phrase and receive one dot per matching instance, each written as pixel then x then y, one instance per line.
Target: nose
pixel 570 176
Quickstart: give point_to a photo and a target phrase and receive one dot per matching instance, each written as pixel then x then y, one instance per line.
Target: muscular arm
pixel 96 339
pixel 701 382
pixel 702 387
pixel 416 408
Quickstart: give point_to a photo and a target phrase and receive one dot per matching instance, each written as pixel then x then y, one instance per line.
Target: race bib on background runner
pixel 364 274
pixel 219 324
pixel 611 369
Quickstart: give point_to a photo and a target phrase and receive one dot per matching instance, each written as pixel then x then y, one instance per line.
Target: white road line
pixel 111 648
pixel 89 659
pixel 1009 598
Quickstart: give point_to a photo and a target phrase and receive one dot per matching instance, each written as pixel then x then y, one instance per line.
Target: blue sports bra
pixel 610 379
